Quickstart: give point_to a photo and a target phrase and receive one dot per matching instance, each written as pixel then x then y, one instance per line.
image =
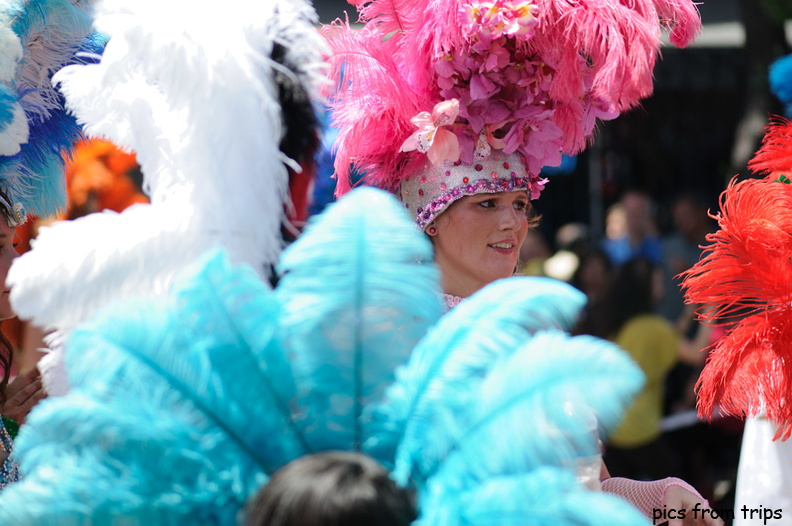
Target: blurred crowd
pixel 632 277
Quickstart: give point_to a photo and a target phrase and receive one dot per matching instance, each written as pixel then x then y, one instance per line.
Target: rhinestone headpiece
pixel 429 193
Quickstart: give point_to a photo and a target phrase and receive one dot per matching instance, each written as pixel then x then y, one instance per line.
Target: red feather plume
pixel 775 156
pixel 745 279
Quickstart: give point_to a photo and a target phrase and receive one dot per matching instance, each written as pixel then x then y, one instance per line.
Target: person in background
pixel 637 449
pixel 19 396
pixel 572 244
pixel 681 250
pixel 593 277
pixel 640 232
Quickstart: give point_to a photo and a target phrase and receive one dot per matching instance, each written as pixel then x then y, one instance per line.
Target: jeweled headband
pixel 427 194
pixel 425 93
pixel 14 214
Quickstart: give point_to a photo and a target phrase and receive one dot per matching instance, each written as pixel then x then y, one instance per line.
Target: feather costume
pixel 197 99
pixel 182 406
pixel 744 278
pixel 37 38
pixel 497 89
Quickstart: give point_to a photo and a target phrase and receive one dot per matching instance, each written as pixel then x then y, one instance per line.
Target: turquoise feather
pixel 182 407
pixel 359 290
pixel 52 33
pixel 171 414
pixel 502 454
pixel 527 413
pixel 463 347
pixel 542 497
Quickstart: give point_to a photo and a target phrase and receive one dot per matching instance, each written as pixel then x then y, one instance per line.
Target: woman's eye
pixel 520 205
pixel 489 203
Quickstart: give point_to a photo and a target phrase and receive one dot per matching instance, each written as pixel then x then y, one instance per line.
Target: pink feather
pixel 598 53
pixel 370 125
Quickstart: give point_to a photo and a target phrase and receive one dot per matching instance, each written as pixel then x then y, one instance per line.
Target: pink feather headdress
pixel 446 82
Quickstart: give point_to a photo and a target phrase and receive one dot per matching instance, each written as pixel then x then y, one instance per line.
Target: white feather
pixel 16 133
pixel 190 90
pixel 52 367
pixel 62 29
pixel 10 53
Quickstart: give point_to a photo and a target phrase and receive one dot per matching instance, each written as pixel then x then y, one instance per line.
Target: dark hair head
pixel 332 489
pixel 300 139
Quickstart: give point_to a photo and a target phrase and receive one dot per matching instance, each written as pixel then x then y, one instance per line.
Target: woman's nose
pixel 510 219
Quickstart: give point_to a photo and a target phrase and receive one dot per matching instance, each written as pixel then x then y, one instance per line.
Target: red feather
pixel 745 277
pixel 775 155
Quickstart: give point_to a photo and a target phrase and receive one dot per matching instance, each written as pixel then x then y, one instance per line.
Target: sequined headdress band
pixel 434 188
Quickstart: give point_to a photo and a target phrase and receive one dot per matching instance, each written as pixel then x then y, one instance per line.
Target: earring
pixel 432 231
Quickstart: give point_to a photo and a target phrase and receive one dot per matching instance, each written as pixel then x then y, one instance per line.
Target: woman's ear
pixel 431 230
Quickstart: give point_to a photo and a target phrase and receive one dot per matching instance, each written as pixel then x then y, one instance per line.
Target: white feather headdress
pixel 194 93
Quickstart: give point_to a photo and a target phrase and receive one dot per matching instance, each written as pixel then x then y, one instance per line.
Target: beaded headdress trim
pixel 429 193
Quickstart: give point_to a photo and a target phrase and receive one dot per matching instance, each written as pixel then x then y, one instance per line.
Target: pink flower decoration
pixel 437 143
pixel 481 87
pixel 493 140
pixel 494 18
pixel 537 185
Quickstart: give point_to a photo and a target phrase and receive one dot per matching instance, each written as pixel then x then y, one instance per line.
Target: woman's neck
pixel 457 282
pixel 460 288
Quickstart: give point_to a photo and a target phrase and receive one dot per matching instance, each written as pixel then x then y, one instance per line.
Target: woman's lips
pixel 502 247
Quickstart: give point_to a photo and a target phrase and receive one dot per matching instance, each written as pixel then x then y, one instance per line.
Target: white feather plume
pixel 51 39
pixel 15 134
pixel 191 91
pixel 10 53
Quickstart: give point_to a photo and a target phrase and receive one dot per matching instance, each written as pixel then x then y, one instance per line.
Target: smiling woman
pixel 478 240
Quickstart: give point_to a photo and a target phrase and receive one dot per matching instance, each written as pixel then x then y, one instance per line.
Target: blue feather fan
pixel 172 400
pixel 182 407
pixel 359 289
pixel 463 347
pixel 525 423
pixel 551 382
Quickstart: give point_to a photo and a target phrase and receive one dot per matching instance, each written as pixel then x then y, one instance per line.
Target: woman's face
pixel 478 239
pixel 7 255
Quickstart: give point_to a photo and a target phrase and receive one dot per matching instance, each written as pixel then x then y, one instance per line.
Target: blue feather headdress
pixel 38 38
pixel 183 406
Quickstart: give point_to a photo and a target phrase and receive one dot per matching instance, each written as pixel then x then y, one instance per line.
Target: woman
pixel 497 90
pixel 17 397
pixel 477 241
